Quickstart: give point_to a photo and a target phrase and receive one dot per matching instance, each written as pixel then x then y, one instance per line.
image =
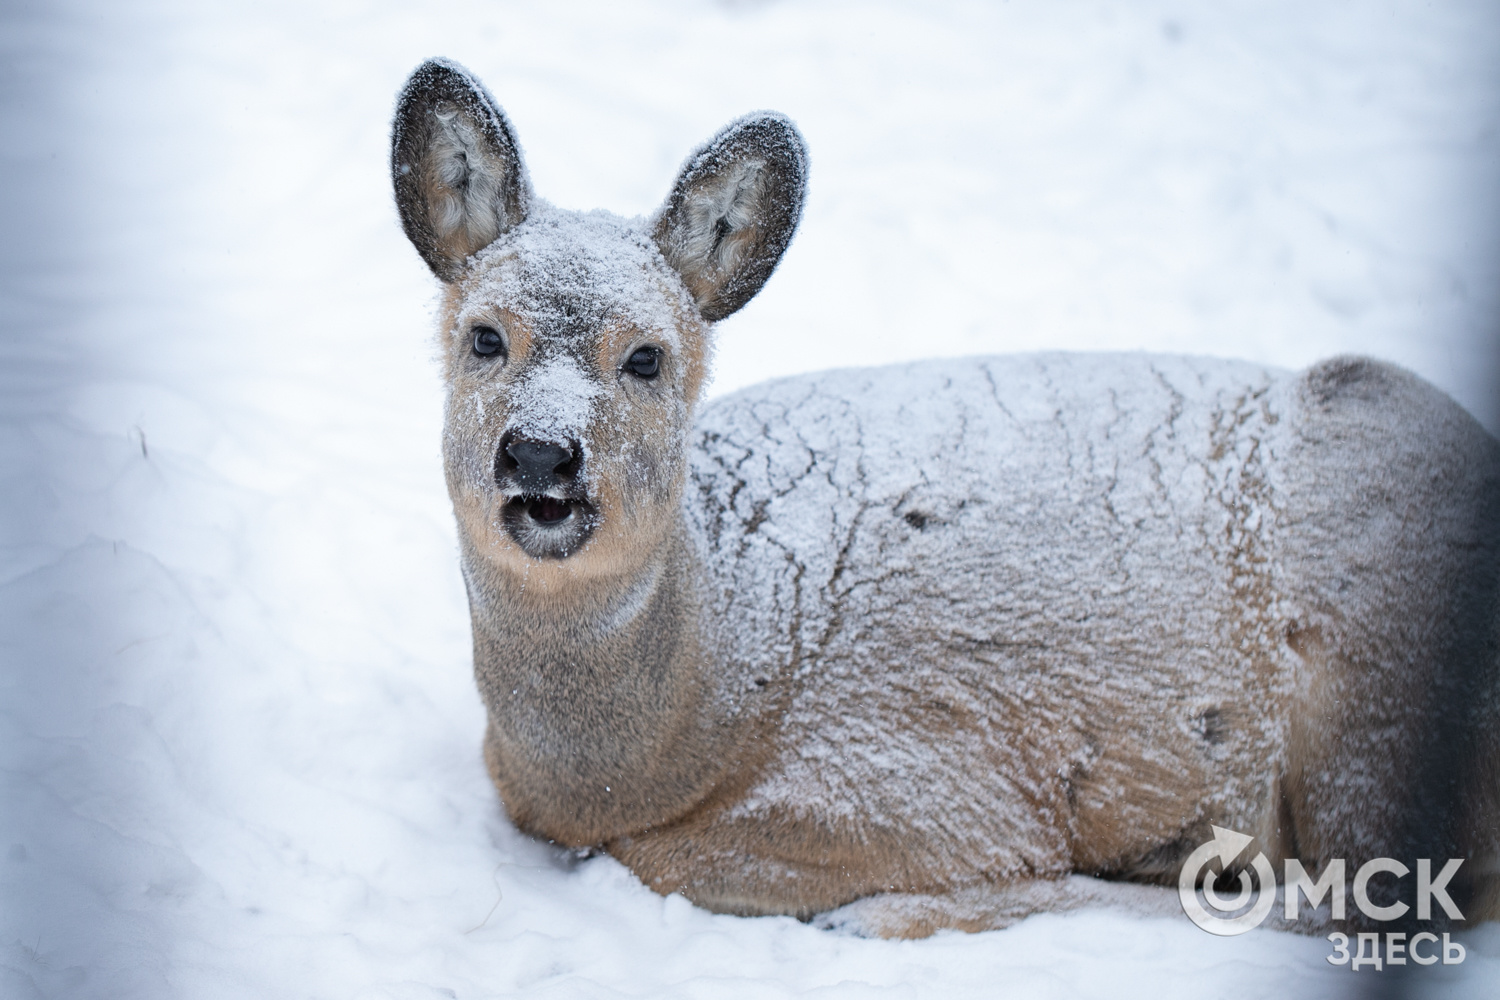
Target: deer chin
pixel 548 527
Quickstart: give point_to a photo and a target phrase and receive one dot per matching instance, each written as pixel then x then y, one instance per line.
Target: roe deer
pixel 926 646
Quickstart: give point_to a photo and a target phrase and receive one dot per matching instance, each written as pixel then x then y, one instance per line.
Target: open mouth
pixel 548 527
pixel 546 511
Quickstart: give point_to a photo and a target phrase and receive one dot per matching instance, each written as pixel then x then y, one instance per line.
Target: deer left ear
pixel 733 211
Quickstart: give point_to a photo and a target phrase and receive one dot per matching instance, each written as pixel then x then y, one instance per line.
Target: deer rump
pixel 918 647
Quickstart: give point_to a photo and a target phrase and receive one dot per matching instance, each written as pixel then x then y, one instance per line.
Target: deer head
pixel 575 345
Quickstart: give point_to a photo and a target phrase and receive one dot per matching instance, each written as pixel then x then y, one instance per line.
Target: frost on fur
pixel 457 168
pixel 926 646
pixel 733 210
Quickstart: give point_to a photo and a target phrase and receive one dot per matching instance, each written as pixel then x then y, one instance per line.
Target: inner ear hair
pixel 733 211
pixel 456 166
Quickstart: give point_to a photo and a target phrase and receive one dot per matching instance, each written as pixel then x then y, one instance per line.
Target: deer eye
pixel 644 363
pixel 488 341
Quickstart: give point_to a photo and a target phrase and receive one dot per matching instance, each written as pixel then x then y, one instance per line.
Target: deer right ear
pixel 456 166
pixel 733 211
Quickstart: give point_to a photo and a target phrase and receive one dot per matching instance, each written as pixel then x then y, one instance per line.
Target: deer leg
pixel 988 907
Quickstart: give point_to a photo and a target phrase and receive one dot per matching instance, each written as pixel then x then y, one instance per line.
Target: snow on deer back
pixel 910 647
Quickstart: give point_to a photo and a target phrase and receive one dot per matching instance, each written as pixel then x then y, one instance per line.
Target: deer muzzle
pixel 546 511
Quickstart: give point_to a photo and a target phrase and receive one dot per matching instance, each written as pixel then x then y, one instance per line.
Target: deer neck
pixel 602 719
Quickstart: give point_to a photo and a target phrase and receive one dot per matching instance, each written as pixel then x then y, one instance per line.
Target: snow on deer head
pixel 575 344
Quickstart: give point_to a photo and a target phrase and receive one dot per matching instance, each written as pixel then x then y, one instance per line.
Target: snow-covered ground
pixel 238 731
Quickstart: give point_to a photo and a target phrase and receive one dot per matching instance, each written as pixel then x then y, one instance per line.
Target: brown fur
pixel 1284 623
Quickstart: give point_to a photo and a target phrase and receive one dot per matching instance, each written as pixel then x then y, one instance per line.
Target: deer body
pixel 922 642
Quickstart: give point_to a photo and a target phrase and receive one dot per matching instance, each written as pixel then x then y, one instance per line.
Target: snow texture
pixel 239 724
pixel 558 400
pixel 1031 540
pixel 564 261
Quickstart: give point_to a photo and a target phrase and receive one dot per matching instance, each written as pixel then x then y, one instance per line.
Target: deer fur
pixel 940 644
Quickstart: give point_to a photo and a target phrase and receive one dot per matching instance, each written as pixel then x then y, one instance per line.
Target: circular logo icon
pixel 1226 846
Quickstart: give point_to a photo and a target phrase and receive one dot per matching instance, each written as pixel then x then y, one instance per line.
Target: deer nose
pixel 538 466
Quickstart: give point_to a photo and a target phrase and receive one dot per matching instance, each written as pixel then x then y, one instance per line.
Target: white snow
pixel 239 733
pixel 592 257
pixel 555 401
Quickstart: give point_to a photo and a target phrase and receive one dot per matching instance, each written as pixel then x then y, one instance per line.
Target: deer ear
pixel 456 165
pixel 733 211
